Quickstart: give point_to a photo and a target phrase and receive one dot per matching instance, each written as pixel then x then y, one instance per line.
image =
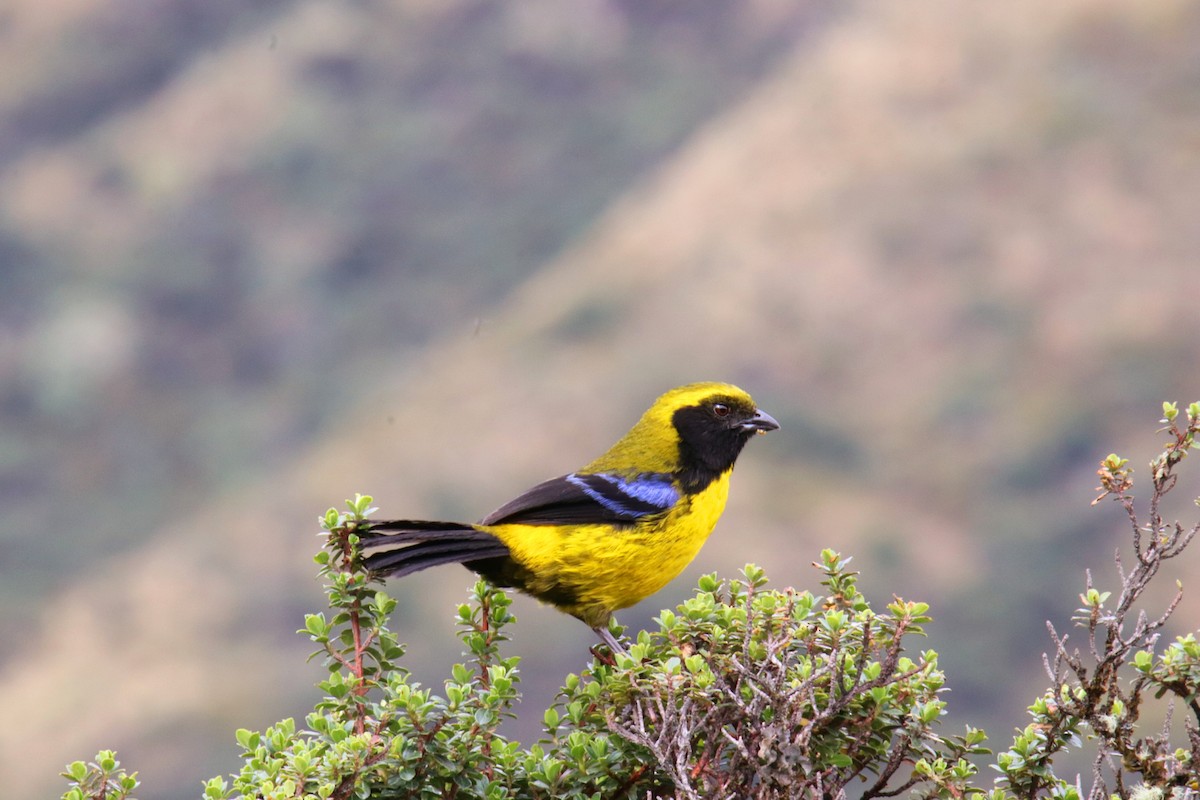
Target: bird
pixel 608 535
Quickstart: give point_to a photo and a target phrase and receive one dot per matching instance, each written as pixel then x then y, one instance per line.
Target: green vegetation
pixel 742 691
pixel 241 242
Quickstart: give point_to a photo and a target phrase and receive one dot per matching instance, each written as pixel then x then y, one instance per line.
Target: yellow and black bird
pixel 607 536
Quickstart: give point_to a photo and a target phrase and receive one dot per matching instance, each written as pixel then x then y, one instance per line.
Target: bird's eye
pixel 720 409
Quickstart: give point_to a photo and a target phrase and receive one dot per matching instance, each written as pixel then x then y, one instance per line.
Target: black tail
pixel 414 545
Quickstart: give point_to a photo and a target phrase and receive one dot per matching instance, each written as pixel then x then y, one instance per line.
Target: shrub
pixel 1101 691
pixel 740 692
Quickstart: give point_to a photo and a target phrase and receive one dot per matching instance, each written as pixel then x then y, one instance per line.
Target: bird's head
pixel 698 430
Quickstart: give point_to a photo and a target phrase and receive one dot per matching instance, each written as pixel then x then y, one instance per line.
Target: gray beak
pixel 761 422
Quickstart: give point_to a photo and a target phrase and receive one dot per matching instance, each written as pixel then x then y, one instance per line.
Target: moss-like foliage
pixel 742 691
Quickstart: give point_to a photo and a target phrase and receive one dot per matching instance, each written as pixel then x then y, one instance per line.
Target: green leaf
pixel 316 626
pixel 331 520
pixel 247 739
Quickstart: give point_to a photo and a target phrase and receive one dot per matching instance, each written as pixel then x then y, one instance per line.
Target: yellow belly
pixel 592 570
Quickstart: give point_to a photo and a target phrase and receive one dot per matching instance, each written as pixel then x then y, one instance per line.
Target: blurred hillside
pixel 437 252
pixel 211 217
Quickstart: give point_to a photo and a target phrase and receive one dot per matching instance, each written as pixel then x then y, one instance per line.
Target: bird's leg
pixel 613 643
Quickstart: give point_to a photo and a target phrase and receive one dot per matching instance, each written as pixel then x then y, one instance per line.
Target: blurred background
pixel 256 257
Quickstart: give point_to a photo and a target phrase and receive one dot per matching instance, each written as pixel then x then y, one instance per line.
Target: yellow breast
pixel 592 570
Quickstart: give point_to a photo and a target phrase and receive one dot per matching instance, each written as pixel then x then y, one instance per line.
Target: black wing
pixel 589 498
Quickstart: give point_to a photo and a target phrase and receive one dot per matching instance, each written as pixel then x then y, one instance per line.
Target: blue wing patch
pixel 589 499
pixel 628 499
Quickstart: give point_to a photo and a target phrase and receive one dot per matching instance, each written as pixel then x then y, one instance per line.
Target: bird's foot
pixel 615 646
